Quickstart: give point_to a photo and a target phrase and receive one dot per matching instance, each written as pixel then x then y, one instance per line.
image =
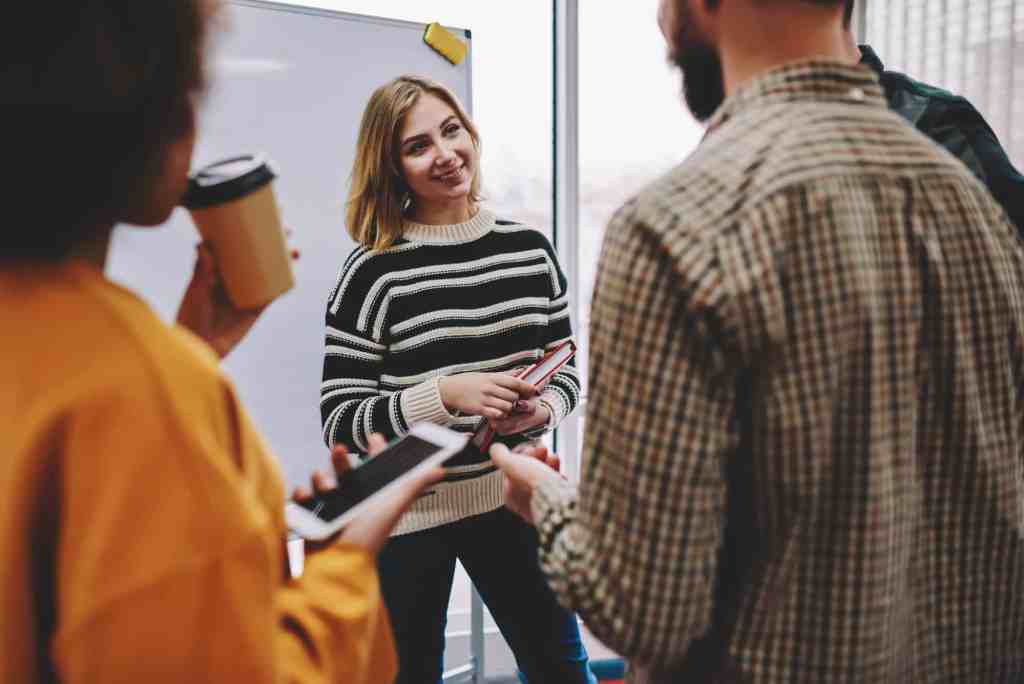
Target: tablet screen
pixel 358 484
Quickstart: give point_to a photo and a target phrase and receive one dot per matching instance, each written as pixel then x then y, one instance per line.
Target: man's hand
pixel 525 469
pixel 206 310
pixel 371 529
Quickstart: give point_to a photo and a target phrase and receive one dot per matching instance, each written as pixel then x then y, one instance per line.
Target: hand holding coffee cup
pixel 232 204
pixel 207 311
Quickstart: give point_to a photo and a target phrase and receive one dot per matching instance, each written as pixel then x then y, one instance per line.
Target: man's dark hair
pixel 92 93
pixel 848 14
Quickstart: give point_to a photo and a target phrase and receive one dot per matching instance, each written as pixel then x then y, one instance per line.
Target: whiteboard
pixel 290 82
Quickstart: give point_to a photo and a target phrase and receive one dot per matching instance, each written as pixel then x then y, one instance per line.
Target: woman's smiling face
pixel 438 157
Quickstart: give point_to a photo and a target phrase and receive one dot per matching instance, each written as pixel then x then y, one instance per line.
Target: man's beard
pixel 703 82
pixel 703 85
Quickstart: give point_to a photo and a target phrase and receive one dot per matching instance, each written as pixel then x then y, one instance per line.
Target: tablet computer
pixel 426 446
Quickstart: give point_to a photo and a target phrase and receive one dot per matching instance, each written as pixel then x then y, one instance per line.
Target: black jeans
pixel 499 552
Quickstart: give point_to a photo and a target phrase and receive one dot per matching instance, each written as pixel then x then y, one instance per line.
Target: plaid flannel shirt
pixel 803 459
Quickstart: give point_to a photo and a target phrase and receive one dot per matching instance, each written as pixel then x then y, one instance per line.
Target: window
pixel 973 48
pixel 633 123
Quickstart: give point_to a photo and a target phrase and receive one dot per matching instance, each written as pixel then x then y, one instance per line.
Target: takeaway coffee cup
pixel 232 204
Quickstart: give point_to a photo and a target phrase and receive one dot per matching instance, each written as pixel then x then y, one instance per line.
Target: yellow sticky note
pixel 442 40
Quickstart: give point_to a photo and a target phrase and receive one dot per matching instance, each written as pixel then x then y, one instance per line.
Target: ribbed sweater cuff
pixel 557 410
pixel 422 404
pixel 557 405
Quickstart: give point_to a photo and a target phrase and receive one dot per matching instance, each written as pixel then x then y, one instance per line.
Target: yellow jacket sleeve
pixel 169 566
pixel 338 587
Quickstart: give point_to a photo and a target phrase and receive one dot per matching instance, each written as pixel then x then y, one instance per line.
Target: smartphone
pixel 426 446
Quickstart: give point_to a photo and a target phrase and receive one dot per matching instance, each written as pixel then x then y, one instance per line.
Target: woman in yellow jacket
pixel 141 523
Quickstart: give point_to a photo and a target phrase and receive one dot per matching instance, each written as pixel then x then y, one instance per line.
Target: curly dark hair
pixel 92 93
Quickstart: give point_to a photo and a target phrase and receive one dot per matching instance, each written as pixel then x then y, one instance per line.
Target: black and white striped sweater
pixel 484 296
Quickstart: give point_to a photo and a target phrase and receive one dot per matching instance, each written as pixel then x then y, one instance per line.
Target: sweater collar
pixel 470 230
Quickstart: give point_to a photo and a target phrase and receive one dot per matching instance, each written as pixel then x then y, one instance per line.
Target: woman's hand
pixel 526 415
pixel 371 529
pixel 491 395
pixel 206 310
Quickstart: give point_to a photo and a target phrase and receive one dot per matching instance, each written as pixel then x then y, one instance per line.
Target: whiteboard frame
pixel 338 14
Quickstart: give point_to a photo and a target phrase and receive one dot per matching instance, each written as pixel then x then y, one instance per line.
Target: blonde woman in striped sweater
pixel 431 313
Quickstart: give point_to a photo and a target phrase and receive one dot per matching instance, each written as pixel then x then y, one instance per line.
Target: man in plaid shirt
pixel 805 448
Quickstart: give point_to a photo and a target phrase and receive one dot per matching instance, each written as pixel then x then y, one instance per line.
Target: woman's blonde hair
pixel 379 195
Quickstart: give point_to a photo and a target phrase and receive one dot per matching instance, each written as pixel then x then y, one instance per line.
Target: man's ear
pixel 706 11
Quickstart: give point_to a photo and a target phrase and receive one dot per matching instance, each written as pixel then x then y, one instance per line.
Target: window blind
pixel 973 48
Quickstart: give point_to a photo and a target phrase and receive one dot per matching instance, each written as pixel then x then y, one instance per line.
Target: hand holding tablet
pixel 537 375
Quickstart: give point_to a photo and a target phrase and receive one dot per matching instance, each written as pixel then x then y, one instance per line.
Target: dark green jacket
pixel 954 123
